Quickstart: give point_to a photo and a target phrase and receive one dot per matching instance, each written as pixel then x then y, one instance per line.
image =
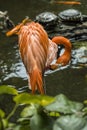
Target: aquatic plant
pixel 41 112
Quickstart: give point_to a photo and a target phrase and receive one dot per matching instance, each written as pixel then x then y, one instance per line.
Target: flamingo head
pixel 16 29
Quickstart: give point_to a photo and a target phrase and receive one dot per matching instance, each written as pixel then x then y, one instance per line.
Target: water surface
pixel 70 80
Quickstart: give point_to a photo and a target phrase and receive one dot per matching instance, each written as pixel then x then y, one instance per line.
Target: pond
pixel 70 80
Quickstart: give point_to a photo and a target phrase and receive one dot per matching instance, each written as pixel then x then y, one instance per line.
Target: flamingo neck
pixel 64 41
pixel 65 57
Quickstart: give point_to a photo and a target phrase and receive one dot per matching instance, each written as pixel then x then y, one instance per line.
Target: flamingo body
pixel 38 52
pixel 33 45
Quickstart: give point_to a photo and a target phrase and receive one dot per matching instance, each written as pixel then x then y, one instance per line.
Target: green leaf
pixel 31 110
pixel 2 113
pixel 71 122
pixel 40 121
pixel 85 102
pixel 63 105
pixel 23 120
pixel 22 127
pixel 7 89
pixel 54 114
pixel 26 98
pixel 5 123
pixel 28 111
pixel 85 110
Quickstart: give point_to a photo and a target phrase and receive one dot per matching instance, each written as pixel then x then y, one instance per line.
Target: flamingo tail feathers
pixel 36 81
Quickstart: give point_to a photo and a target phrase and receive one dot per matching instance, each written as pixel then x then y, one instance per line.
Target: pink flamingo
pixel 38 51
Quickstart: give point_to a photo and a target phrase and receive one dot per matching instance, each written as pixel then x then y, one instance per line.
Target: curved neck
pixel 66 56
pixel 64 41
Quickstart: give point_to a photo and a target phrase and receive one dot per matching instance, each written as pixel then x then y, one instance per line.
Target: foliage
pixel 42 112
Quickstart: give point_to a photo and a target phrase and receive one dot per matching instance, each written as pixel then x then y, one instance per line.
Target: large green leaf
pixel 7 89
pixel 63 105
pixel 40 121
pixel 71 122
pixel 26 98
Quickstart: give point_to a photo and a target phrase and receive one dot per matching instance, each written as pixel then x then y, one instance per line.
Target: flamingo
pixel 38 51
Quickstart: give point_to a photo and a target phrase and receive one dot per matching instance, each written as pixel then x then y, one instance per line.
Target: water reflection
pixel 70 80
pixel 79 55
pixel 11 66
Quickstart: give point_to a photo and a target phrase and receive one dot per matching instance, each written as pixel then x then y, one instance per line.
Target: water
pixel 70 80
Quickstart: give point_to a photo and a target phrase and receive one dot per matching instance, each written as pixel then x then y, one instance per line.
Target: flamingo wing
pixel 33 45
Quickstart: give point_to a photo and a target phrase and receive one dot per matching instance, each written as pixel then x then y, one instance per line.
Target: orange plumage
pixel 38 52
pixel 33 45
pixel 64 59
